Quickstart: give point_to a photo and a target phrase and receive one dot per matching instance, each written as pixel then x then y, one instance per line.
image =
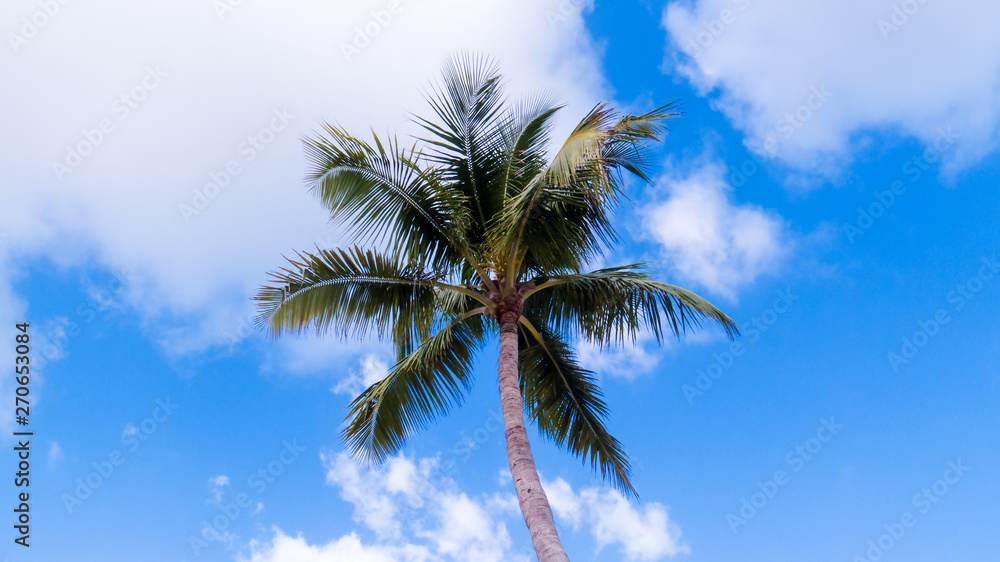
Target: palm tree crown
pixel 477 227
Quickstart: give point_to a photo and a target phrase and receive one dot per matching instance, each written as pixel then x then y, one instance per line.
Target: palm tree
pixel 481 235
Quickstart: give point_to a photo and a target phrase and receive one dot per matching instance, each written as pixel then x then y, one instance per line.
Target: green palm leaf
pixel 348 291
pixel 523 136
pixel 383 194
pixel 564 400
pixel 469 107
pixel 628 139
pixel 426 383
pixel 564 210
pixel 609 306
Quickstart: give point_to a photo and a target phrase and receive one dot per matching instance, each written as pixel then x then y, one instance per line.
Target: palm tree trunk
pixel 530 496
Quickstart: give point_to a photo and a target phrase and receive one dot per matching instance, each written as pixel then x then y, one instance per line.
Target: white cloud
pixel 406 501
pixel 55 454
pixel 504 477
pixel 413 497
pixel 644 532
pixel 565 504
pixel 628 361
pixel 419 514
pixel 283 548
pixel 764 59
pixel 311 354
pixel 708 238
pixel 371 369
pixel 467 529
pixel 129 430
pixel 215 89
pixel 218 483
pixel 360 487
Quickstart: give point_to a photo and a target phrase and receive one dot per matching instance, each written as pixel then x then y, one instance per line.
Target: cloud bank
pixel 417 513
pixel 808 82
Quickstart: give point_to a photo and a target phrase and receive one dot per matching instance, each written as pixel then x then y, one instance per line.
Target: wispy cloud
pixel 705 236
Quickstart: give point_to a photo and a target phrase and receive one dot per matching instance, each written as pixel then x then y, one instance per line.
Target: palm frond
pixel 382 193
pixel 609 306
pixel 630 136
pixel 469 106
pixel 564 210
pixel 350 291
pixel 426 383
pixel 419 317
pixel 565 401
pixel 583 146
pixel 523 138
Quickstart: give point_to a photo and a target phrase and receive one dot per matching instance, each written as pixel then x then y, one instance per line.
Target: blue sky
pixel 832 185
